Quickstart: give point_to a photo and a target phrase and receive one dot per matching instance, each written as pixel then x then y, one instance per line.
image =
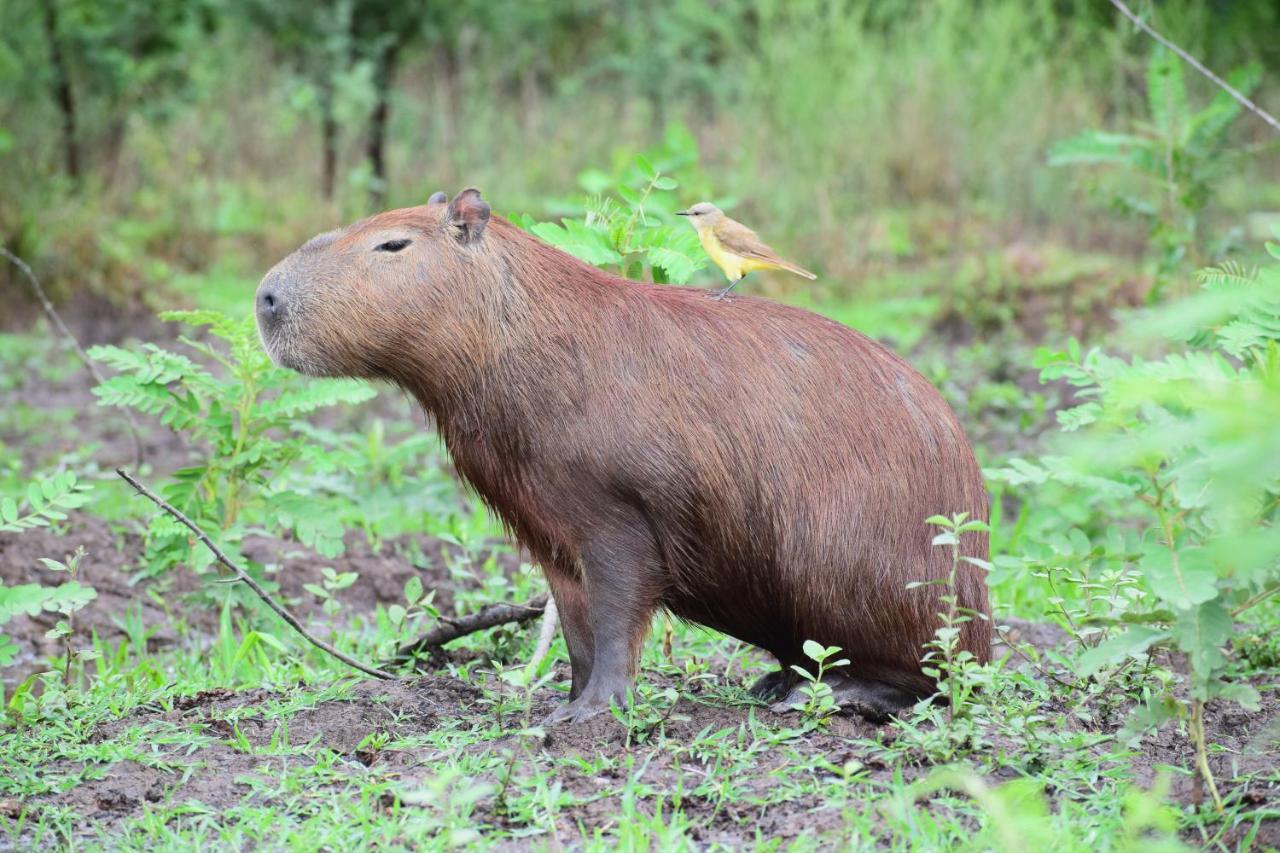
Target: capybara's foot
pixel 773 686
pixel 590 704
pixel 874 701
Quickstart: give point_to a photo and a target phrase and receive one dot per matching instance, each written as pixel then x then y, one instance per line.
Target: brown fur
pixel 748 466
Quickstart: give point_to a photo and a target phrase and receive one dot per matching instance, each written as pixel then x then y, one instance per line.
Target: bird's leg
pixel 723 292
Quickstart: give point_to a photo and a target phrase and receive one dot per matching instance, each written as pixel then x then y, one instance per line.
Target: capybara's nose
pixel 270 308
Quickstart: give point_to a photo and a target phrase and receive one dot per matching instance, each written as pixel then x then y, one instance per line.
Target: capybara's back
pixel 799 461
pixel 751 467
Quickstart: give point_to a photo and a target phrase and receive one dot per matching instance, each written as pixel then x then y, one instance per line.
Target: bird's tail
pixel 798 270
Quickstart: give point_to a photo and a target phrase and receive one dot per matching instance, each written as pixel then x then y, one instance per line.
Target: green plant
pixel 1188 440
pixel 1179 157
pixel 636 234
pixel 241 418
pixel 647 713
pixel 820 702
pixel 331 582
pixel 65 628
pixel 47 500
pixel 406 619
pixel 944 660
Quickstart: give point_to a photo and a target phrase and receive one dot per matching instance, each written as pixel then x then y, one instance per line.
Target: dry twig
pixel 246 579
pixel 546 633
pixel 486 617
pixel 56 320
pixel 1194 63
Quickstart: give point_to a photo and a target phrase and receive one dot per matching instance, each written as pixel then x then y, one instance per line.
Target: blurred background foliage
pixel 139 141
pixel 1060 225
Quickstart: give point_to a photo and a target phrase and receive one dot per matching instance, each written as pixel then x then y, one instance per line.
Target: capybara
pixel 748 466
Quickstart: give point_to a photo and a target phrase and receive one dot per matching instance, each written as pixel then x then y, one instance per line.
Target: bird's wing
pixel 744 242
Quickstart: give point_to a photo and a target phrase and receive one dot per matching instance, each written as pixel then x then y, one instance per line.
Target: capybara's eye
pixel 391 245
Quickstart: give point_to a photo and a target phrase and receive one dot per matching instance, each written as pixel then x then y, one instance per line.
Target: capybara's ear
pixel 468 214
pixel 438 197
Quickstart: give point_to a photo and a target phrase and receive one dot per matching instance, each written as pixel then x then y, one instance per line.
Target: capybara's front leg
pixel 622 580
pixel 575 620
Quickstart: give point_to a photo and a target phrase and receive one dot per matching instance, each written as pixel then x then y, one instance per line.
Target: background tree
pixel 381 30
pixel 111 58
pixel 314 39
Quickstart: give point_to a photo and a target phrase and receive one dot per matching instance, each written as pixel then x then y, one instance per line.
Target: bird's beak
pixel 682 213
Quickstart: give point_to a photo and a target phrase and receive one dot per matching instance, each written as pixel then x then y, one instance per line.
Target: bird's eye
pixel 391 245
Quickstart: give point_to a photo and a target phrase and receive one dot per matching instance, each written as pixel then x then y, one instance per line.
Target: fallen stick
pixel 1239 96
pixel 454 627
pixel 547 633
pixel 246 579
pixel 62 329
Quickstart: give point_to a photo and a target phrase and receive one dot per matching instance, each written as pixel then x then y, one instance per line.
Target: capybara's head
pixel 351 301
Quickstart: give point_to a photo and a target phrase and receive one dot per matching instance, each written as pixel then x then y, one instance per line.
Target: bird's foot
pixel 722 294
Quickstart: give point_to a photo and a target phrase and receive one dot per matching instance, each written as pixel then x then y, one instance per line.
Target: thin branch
pixel 1194 63
pixel 486 617
pixel 245 578
pixel 546 633
pixel 1012 645
pixel 56 320
pixel 1256 599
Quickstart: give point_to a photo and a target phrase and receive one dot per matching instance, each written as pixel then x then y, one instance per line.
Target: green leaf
pixel 69 597
pixel 1201 633
pixel 1095 147
pixel 1242 693
pixel 1128 644
pixel 1185 582
pixel 580 240
pixel 413 590
pixel 643 164
pixel 665 183
pixel 31 599
pixel 22 599
pixel 1166 93
pixel 8 650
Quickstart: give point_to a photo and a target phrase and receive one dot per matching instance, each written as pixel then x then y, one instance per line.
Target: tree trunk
pixel 329 137
pixel 376 144
pixel 62 91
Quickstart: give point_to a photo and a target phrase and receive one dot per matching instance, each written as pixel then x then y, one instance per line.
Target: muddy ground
pixel 341 723
pixel 221 774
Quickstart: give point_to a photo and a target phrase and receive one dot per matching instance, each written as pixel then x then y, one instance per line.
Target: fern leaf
pixel 1166 92
pixel 312 395
pixel 1094 147
pixel 580 240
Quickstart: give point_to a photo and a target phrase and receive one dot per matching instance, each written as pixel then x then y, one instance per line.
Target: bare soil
pixel 219 773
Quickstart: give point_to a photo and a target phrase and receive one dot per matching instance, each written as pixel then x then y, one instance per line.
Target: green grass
pixel 235 733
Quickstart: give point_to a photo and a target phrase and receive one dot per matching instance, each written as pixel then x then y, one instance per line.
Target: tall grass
pixel 822 119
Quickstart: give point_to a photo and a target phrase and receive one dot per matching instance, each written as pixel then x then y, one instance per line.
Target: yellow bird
pixel 734 247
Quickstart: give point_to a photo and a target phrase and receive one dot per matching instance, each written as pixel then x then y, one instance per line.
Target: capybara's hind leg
pixel 773 686
pixel 571 602
pixel 622 581
pixel 872 700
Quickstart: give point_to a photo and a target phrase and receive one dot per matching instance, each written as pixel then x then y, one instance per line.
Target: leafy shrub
pixel 1184 454
pixel 244 418
pixel 47 501
pixel 634 231
pixel 1178 158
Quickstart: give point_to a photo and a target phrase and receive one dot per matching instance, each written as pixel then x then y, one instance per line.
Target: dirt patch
pixel 247 739
pixel 171 607
pixel 244 749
